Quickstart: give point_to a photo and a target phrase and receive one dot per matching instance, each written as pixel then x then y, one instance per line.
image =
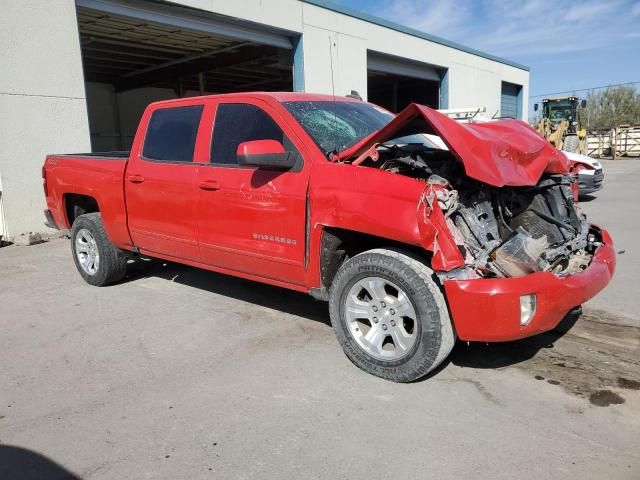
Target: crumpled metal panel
pixel 501 153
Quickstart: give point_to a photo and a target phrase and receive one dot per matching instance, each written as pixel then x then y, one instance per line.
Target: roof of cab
pixel 308 97
pixel 278 96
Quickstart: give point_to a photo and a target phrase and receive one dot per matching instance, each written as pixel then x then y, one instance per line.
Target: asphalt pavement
pixel 181 373
pixel 617 208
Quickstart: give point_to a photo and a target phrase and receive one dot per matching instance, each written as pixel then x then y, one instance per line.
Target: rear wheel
pixel 389 315
pixel 98 260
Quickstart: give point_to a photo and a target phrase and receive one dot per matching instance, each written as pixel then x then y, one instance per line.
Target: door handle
pixel 209 185
pixel 136 178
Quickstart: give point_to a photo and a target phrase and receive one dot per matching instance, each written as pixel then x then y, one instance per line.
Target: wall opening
pixel 394 83
pixel 130 62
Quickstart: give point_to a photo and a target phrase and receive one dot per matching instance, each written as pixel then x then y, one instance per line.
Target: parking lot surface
pixel 181 373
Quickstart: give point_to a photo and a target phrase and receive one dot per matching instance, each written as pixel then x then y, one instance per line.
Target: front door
pixel 161 185
pixel 251 220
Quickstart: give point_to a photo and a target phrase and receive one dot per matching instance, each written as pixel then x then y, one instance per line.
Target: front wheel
pixel 389 315
pixel 98 260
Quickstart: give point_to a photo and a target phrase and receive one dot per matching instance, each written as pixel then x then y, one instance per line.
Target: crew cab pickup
pixel 412 245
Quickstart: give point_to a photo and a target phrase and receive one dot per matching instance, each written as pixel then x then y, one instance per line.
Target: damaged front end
pixel 498 202
pixel 512 251
pixel 515 231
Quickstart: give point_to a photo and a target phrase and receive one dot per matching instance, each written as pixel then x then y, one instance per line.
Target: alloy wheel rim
pixel 381 318
pixel 87 251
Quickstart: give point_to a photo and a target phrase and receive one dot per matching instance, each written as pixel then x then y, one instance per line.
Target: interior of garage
pixel 395 92
pixel 129 62
pixel 395 83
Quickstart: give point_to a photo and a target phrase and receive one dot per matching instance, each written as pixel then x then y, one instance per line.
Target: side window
pixel 171 134
pixel 238 122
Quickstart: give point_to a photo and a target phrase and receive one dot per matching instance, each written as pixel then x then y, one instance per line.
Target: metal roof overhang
pixel 187 18
pixel 378 62
pixel 166 46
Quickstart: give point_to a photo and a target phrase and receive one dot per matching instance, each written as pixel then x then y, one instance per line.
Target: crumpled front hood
pixel 505 152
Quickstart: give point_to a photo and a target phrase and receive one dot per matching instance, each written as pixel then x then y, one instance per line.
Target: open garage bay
pixel 130 61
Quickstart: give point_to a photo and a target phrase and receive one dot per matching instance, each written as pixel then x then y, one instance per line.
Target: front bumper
pixel 488 310
pixel 590 183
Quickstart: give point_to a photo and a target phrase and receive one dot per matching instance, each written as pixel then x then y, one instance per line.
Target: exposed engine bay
pixel 501 232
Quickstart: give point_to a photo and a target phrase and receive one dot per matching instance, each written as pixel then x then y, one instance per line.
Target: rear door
pixel 160 181
pixel 252 220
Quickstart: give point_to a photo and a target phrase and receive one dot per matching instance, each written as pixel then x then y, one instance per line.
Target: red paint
pixel 100 179
pixel 508 152
pixel 244 226
pixel 488 310
pixel 260 147
pixel 267 225
pixel 435 233
pixel 575 167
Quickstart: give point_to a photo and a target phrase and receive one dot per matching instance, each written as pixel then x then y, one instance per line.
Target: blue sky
pixel 578 44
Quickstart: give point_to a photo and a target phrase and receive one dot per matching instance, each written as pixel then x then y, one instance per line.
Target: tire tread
pixel 441 343
pixel 113 263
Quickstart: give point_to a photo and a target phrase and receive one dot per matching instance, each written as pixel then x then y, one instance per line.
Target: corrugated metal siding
pixel 509 104
pixel 399 66
pixel 188 19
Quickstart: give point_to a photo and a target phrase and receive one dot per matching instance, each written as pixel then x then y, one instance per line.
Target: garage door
pixel 394 82
pixel 510 100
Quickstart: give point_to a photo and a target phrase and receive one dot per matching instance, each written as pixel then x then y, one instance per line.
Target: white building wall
pixel 42 86
pixel 42 102
pixel 334 62
pixel 473 80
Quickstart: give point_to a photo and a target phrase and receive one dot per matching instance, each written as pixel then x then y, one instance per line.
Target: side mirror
pixel 535 107
pixel 583 103
pixel 267 154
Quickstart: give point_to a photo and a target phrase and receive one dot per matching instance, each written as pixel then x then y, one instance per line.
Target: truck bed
pixel 98 176
pixel 111 155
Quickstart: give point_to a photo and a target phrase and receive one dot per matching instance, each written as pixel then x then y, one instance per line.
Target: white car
pixel 590 174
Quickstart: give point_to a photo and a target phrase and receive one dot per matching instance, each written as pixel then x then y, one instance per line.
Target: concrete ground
pixel 617 207
pixel 182 373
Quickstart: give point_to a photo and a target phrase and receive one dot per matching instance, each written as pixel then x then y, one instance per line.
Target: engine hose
pixel 504 222
pixel 410 162
pixel 550 219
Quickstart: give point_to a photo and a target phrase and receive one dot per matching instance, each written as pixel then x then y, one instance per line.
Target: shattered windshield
pixel 336 126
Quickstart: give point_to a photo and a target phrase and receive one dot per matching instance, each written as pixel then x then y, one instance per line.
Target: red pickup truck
pixel 413 245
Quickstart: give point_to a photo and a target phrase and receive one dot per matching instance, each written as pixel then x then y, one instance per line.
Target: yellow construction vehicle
pixel 560 123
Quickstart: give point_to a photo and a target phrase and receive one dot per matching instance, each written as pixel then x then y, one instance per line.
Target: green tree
pixel 611 107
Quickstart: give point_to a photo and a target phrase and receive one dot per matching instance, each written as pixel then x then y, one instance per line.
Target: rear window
pixel 171 135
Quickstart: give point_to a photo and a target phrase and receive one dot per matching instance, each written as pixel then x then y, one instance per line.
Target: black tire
pixel 435 334
pixel 112 263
